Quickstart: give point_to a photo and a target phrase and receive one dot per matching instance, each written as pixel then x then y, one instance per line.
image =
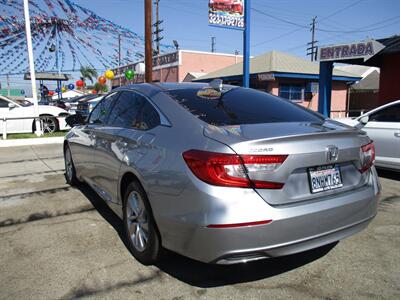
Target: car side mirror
pixel 75 120
pixel 11 105
pixel 364 120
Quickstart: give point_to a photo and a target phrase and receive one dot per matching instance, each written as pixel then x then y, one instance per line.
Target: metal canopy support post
pixel 325 88
pixel 246 45
pixel 38 130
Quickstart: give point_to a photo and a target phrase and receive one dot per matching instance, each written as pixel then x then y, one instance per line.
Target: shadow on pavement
pixel 103 209
pixel 206 275
pixel 388 174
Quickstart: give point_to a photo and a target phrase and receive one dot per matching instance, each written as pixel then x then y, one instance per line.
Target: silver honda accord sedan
pixel 222 174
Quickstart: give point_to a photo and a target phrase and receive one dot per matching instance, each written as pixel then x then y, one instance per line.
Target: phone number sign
pixel 226 13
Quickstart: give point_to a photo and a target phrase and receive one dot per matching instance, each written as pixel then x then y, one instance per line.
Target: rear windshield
pixel 241 106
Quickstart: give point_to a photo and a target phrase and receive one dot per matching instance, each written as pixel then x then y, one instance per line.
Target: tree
pixel 88 73
pixel 99 88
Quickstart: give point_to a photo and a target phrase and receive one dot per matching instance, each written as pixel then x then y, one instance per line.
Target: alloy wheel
pixel 68 165
pixel 137 221
pixel 49 124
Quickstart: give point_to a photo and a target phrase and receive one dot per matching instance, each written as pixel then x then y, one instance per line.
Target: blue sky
pixel 186 21
pixel 276 25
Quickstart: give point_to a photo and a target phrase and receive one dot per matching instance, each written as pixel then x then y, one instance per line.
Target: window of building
pixel 291 92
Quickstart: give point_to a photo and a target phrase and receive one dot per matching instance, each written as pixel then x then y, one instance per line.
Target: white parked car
pixel 53 117
pixel 382 125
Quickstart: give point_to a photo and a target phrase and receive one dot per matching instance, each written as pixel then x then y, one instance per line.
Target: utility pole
pixel 313 48
pixel 157 30
pixel 148 41
pixel 119 59
pixel 213 42
pixel 246 45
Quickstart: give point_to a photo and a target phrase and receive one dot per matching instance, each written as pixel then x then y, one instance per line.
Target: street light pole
pixel 58 63
pixel 119 59
pixel 246 45
pixel 38 131
pixel 148 40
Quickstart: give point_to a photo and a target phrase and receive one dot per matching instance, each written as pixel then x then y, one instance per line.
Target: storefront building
pixel 182 65
pixel 290 77
pixel 388 60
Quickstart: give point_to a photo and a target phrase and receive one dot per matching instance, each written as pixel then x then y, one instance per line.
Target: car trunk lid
pixel 307 146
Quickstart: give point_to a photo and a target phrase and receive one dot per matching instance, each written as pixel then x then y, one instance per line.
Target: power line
pixel 279 19
pixel 360 30
pixel 301 26
pixel 343 9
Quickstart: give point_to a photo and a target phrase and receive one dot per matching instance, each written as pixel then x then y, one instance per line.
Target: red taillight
pixel 367 156
pixel 231 169
pixel 235 225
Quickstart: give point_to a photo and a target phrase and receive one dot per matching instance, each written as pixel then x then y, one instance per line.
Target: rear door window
pixel 241 106
pixel 102 110
pixel 132 110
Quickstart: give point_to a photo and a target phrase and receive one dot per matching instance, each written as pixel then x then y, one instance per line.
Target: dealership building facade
pixel 179 66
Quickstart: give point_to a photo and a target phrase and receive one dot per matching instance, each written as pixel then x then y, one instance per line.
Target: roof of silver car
pixel 179 85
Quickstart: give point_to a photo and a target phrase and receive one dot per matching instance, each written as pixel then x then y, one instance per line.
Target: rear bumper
pixel 295 246
pixel 295 228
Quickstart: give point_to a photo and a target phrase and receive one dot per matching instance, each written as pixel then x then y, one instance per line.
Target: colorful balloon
pixel 109 74
pixel 94 92
pixel 102 80
pixel 63 89
pixel 79 83
pixel 51 93
pixel 129 74
pixel 71 86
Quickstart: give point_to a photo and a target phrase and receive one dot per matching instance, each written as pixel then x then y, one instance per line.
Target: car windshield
pixel 238 106
pixel 24 103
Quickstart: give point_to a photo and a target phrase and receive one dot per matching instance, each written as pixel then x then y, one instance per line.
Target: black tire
pixel 150 254
pixel 70 172
pixel 50 124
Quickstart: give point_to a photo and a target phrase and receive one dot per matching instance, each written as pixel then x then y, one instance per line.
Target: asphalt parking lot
pixel 59 242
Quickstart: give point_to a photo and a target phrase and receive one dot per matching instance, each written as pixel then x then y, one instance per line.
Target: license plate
pixel 324 178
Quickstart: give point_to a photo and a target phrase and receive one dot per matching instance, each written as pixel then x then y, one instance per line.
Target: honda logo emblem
pixel 332 153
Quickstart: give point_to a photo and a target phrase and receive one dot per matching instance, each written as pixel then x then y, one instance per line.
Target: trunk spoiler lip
pixel 228 136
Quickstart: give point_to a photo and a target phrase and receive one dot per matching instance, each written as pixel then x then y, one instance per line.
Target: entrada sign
pixel 364 50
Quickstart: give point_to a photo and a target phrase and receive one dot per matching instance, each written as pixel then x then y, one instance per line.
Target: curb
pixel 32 141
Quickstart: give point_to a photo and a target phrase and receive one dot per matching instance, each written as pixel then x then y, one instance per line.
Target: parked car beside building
pixel 382 125
pixel 52 117
pixel 85 106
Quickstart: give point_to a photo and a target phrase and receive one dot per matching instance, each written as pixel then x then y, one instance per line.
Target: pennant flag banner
pixel 81 37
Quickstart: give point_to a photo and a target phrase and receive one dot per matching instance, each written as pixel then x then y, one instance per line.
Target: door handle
pixel 397 134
